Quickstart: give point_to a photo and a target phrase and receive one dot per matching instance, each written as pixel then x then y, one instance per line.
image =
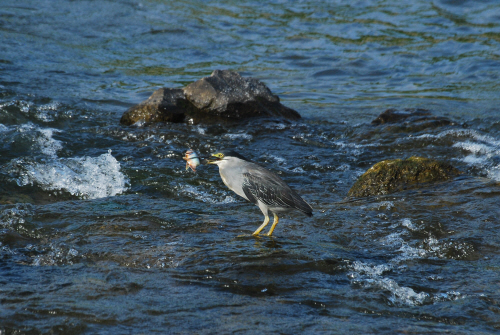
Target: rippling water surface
pixel 102 230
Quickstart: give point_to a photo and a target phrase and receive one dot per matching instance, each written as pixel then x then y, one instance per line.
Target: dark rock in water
pixel 392 115
pixel 396 175
pixel 164 105
pixel 223 95
pixel 226 94
pixel 410 115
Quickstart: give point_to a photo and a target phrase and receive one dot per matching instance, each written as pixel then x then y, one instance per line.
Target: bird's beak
pixel 213 160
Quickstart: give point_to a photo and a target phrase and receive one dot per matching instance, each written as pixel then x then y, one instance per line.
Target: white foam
pixel 401 295
pixel 48 145
pixel 392 240
pixel 242 136
pixel 86 177
pixel 478 148
pixel 494 173
pixel 450 133
pixel 57 255
pixel 449 296
pixel 139 123
pixel 484 150
pixel 277 126
pixel 15 215
pixel 40 140
pixel 387 204
pixel 200 130
pixel 371 275
pixel 4 249
pixel 205 196
pixel 474 160
pixel 482 156
pixel 408 253
pixel 408 224
pixel 463 133
pixel 343 167
pixel 48 112
pixel 369 269
pixel 343 144
pixel 24 106
pixel 278 159
pixel 44 113
pixel 298 169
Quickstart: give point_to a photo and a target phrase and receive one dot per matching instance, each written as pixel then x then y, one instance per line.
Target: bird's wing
pixel 272 191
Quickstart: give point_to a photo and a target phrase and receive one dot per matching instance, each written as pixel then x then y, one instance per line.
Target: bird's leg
pixel 266 221
pixel 275 222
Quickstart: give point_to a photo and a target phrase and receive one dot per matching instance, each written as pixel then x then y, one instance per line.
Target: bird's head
pixel 224 155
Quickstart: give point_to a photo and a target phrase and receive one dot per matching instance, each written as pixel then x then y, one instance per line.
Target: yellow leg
pixel 275 222
pixel 266 221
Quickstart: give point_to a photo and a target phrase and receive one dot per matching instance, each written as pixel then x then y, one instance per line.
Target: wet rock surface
pixel 164 105
pixel 394 175
pixel 228 95
pixel 223 95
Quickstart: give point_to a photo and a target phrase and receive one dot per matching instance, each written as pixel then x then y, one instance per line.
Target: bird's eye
pixel 220 155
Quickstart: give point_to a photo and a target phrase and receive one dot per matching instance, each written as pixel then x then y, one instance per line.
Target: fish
pixel 192 160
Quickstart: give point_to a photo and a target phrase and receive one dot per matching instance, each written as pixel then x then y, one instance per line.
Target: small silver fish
pixel 192 160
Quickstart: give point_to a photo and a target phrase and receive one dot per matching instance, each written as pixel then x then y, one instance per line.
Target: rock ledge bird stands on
pixel 259 186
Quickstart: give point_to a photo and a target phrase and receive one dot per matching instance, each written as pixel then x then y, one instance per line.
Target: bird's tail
pixel 302 205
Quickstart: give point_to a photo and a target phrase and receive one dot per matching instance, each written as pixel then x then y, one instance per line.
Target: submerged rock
pixel 415 117
pixel 396 175
pixel 223 95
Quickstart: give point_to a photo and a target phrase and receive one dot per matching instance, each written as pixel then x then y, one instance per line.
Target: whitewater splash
pixel 16 214
pixel 85 177
pixel 31 139
pixel 483 150
pixel 372 276
pixel 194 192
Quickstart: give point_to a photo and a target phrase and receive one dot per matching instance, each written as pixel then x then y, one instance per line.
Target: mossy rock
pixel 396 175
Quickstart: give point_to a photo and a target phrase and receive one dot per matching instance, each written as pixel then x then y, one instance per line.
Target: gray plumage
pixel 272 191
pixel 259 186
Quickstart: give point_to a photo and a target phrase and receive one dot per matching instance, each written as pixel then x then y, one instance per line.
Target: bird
pixel 258 185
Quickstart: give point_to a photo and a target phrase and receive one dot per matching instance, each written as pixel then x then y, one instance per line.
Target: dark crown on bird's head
pixel 231 153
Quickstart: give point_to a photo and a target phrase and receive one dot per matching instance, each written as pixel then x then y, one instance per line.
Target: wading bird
pixel 259 186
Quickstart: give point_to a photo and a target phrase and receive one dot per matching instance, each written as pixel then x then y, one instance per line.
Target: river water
pixel 102 230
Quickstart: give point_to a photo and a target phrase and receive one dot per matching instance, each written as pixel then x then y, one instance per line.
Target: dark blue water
pixel 102 230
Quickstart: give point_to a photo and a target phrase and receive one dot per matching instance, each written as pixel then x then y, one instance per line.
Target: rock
pixel 224 95
pixel 411 116
pixel 396 175
pixel 164 105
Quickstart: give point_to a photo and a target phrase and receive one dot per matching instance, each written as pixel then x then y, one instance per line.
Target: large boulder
pixel 396 175
pixel 223 95
pixel 227 94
